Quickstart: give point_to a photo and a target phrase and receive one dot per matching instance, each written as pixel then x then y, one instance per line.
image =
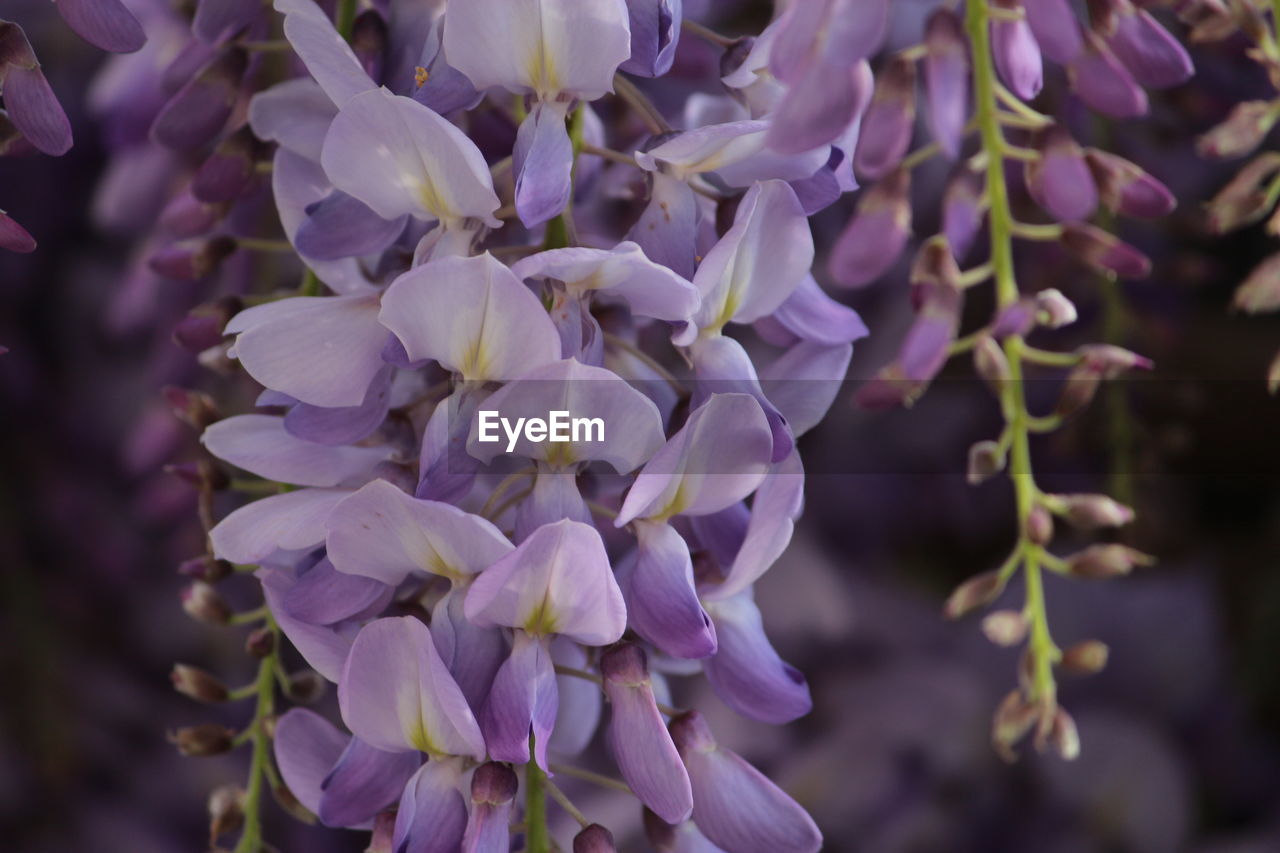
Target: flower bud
pixel 990 363
pixel 1054 25
pixel 1103 83
pixel 202 740
pixel 594 839
pixel 197 684
pixel 877 233
pixel 1016 52
pixel 260 643
pixel 205 568
pixel 226 810
pixel 1241 132
pixel 1244 200
pixel 1273 374
pixel 1053 310
pixel 1147 50
pixel 306 687
pixel 1060 180
pixel 1011 723
pixel 186 216
pixel 1104 251
pixel 199 110
pixel 1077 392
pixel 1260 292
pixel 1126 189
pixel 1085 658
pixel 1089 512
pixel 938 298
pixel 977 591
pixel 1209 20
pixel 494 783
pixel 1005 627
pixel 203 603
pixel 231 171
pixel 1109 361
pixel 493 792
pixel 888 389
pixel 369 41
pixel 13 237
pixel 1039 526
pixel 1063 736
pixel 1016 319
pixel 946 79
pixel 194 408
pixel 885 134
pixel 962 211
pixel 191 260
pixel 1106 561
pixel 986 459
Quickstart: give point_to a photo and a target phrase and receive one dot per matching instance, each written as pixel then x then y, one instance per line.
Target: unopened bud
pixel 205 568
pixel 625 664
pixel 1260 292
pixel 1242 131
pixel 986 459
pixel 1110 361
pixel 1273 374
pixel 1016 319
pixel 1005 627
pixel 1085 658
pixel 198 684
pixel 260 643
pixel 1104 251
pixel 1053 310
pixel 203 603
pixel 194 408
pixel 1039 526
pixel 1125 188
pixel 1089 512
pixel 286 799
pixel 494 784
pixel 1011 723
pixel 202 740
pixel 1063 736
pixel 1059 179
pixel 306 688
pixel 977 591
pixel 877 233
pixel 661 835
pixel 226 810
pixel 190 260
pixel 594 839
pixel 231 170
pixel 1246 198
pixel 990 363
pixel 887 124
pixel 203 474
pixel 1106 561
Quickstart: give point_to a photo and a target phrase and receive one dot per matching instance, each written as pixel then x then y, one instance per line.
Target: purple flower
pixel 28 99
pixel 946 80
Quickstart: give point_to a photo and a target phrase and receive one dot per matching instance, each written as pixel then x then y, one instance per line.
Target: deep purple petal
pixel 107 24
pixel 523 697
pixel 746 672
pixel 363 782
pixel 34 109
pixel 662 604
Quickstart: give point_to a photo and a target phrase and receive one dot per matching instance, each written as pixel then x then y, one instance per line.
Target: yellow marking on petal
pixel 542 621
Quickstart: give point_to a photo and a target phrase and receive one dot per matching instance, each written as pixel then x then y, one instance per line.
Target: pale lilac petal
pixel 343 424
pixel 716 459
pixel 685 838
pixel 555 496
pixel 382 533
pixel 818 109
pixel 446 471
pixel 662 604
pixel 446 89
pixel 558 581
pixel 296 114
pixel 655 34
pixel 323 595
pixel 320 350
pixel 543 164
pixel 759 261
pixel 886 129
pixel 776 506
pixel 363 782
pixel 472 653
pixel 735 805
pixel 323 647
pixel 397 694
pixel 432 816
pixel 107 24
pixel 650 289
pixel 523 698
pixel 471 315
pixel 962 212
pixel 542 46
pixel 723 366
pixel 804 382
pixel 667 229
pixel 837 32
pixel 580 702
pixel 287 522
pixel 306 748
pixel 746 672
pixel 259 444
pixel 399 157
pixel 326 54
pixel 584 392
pixel 946 80
pixel 34 109
pixel 735 151
pixel 638 737
pixel 340 226
pixel 811 315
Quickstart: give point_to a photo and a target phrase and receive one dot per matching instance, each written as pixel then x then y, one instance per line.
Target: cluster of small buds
pixel 1252 194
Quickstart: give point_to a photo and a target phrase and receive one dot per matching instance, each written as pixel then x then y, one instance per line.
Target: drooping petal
pixel 397 694
pixel 667 230
pixel 876 235
pixel 340 226
pixel 382 533
pixel 746 672
pixel 446 472
pixel 259 444
pixel 471 315
pixel 399 157
pixel 34 109
pixel 583 392
pixel 735 805
pixel 946 79
pixel 662 603
pixel 1055 28
pixel 471 652
pixel 432 816
pixel 493 792
pixel 199 110
pixel 886 129
pixel 326 54
pixel 818 108
pixel 541 46
pixel 759 261
pixel 1017 54
pixel 1103 83
pixel 323 647
pixel 716 459
pixel 555 496
pixel 320 350
pixel 655 33
pixel 363 782
pixel 322 595
pixel 580 703
pixel 558 581
pixel 811 315
pixel 336 426
pixel 289 522
pixel 1059 180
pixel 638 736
pixel 523 699
pixel 107 24
pixel 306 748
pixel 296 113
pixel 543 164
pixel 723 366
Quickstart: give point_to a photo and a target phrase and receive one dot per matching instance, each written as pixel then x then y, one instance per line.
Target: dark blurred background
pixel 1180 733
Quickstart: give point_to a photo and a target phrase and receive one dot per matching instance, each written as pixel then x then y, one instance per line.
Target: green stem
pixel 346 18
pixel 259 767
pixel 1013 399
pixel 537 837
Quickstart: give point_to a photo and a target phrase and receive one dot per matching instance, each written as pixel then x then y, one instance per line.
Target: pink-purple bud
pixel 1053 310
pixel 1016 52
pixel 194 408
pixel 226 810
pixel 306 688
pixel 231 170
pixel 594 839
pixel 986 459
pixel 1109 361
pixel 1104 251
pixel 976 592
pixel 962 211
pixel 1039 526
pixel 990 363
pixel 1103 83
pixel 1244 200
pixel 1085 658
pixel 1090 512
pixel 203 603
pixel 197 684
pixel 186 216
pixel 202 740
pixel 946 79
pixel 1260 292
pixel 1060 180
pixel 190 260
pixel 1063 736
pixel 1005 627
pixel 199 110
pixel 260 643
pixel 1012 722
pixel 1078 391
pixel 1056 30
pixel 494 784
pixel 205 568
pixel 1242 131
pixel 877 233
pixel 1106 561
pixel 886 128
pixel 1126 189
